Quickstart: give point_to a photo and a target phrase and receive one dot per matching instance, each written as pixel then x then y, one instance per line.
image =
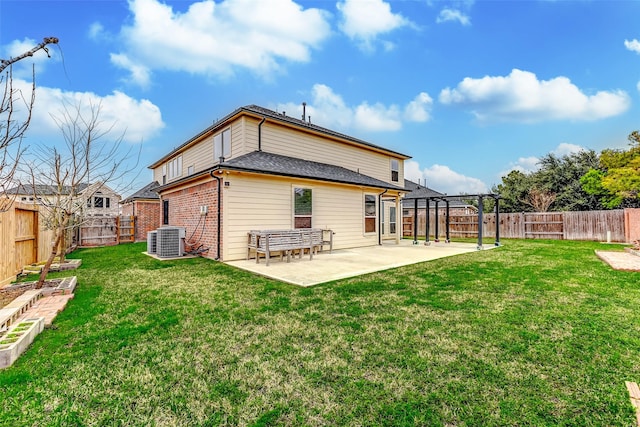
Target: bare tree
pixel 64 178
pixel 13 125
pixel 540 200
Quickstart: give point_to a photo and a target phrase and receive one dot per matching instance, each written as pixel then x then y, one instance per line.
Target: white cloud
pixel 523 164
pixel 328 109
pixel 443 179
pixel 216 39
pixel 419 110
pixel 138 120
pixel 565 149
pixel 531 164
pixel 377 117
pixel 521 97
pixel 453 15
pixel 638 86
pixel 633 45
pixel 365 20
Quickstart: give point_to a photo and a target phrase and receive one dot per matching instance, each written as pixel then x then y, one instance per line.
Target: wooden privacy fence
pixel 106 231
pixel 24 241
pixel 591 225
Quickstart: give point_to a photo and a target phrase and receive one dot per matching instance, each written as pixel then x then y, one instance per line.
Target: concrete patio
pixel 343 263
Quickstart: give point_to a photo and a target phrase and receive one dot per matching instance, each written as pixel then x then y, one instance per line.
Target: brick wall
pixel 632 224
pixel 184 211
pixel 147 218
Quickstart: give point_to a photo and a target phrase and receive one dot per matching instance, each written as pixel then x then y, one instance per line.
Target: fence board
pixel 98 231
pixel 592 225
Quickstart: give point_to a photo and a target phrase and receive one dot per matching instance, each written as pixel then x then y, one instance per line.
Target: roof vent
pixel 304 111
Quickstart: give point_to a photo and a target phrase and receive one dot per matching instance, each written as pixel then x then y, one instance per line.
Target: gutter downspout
pixel 260 133
pixel 380 216
pixel 219 226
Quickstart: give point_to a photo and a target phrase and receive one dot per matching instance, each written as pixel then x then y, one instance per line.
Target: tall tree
pixel 88 157
pixel 514 191
pixel 617 179
pixel 13 121
pixel 561 175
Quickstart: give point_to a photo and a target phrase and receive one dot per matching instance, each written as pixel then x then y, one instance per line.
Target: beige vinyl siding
pixel 261 202
pixel 200 156
pixel 287 142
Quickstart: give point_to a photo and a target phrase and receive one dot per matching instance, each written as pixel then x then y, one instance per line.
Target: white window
pixel 164 174
pixel 370 213
pixel 190 170
pixel 302 207
pixel 175 167
pixel 395 170
pixel 99 201
pixel 222 145
pixel 392 220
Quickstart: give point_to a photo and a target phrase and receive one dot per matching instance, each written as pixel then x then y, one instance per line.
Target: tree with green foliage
pixel 617 179
pixel 561 176
pixel 513 192
pixel 556 185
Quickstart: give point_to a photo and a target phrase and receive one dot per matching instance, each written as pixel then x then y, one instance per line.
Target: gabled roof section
pixel 274 164
pixel 147 193
pixel 261 112
pixel 44 190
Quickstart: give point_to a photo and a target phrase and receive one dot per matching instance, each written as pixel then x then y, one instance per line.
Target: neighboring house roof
pixel 275 164
pixel 147 192
pixel 43 190
pixel 421 193
pixel 261 112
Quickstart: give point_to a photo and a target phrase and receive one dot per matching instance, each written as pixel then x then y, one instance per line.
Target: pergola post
pixel 437 224
pixel 426 242
pixel 415 221
pixel 497 199
pixel 480 221
pixel 446 221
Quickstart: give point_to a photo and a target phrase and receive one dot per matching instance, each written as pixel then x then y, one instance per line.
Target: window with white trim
pixel 369 213
pixel 302 207
pixel 175 167
pixel 222 145
pixel 99 201
pixel 395 170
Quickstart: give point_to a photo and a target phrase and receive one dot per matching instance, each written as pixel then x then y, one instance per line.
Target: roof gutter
pixel 219 225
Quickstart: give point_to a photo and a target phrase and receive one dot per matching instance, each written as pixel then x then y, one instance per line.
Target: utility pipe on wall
pixel 219 225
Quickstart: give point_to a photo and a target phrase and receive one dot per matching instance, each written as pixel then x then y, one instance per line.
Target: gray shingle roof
pixel 146 192
pixel 274 115
pixel 43 189
pixel 421 192
pixel 275 164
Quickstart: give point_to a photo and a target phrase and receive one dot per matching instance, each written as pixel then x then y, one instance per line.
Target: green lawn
pixel 531 333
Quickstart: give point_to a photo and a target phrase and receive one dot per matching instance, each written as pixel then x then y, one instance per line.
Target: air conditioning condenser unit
pixel 170 242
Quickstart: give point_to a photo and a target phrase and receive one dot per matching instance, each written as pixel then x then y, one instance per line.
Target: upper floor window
pixel 222 145
pixel 98 201
pixel 395 170
pixel 302 207
pixel 175 167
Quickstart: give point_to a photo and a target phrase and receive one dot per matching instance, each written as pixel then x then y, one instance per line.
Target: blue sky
pixel 469 89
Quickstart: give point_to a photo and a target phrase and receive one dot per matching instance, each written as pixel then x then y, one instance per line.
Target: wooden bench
pixel 285 242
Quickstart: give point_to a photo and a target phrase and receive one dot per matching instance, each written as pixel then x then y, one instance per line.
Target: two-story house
pixel 257 169
pixel 91 200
